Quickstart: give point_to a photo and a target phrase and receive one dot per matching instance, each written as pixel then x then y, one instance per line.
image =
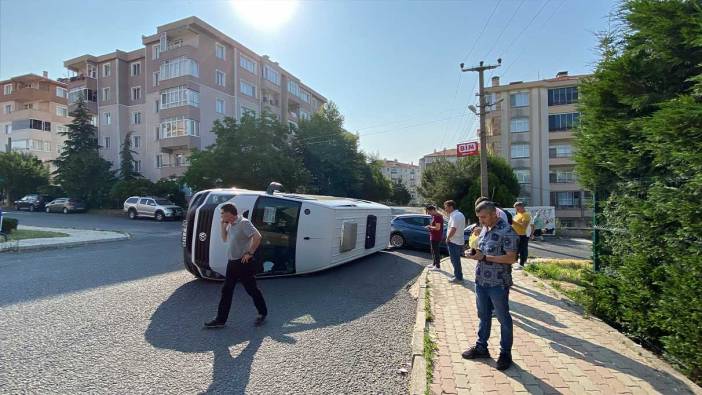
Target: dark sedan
pixel 408 230
pixel 65 205
pixel 32 202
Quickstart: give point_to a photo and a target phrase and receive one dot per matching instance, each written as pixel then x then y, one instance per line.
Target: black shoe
pixel 214 324
pixel 504 361
pixel 260 320
pixel 475 352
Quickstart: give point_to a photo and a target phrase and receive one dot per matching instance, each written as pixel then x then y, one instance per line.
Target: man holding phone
pixel 243 239
pixel 497 251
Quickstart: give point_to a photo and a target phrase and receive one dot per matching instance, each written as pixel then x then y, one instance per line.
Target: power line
pixel 487 22
pixel 514 60
pixel 505 28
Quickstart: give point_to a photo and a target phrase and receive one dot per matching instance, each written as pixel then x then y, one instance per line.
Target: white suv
pixel 152 207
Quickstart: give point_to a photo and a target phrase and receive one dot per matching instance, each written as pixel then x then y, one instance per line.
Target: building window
pixel 136 93
pixel 520 99
pixel 29 106
pixel 159 161
pixel 8 128
pixel 105 94
pixel 8 89
pixel 179 96
pixel 61 92
pixel 155 51
pixel 92 71
pixel 136 118
pixel 519 125
pixel 93 120
pixel 565 121
pixel 106 69
pixel 179 126
pixel 87 94
pixel 569 199
pixel 523 176
pixel 294 88
pixel 220 78
pixel 137 166
pixel 61 129
pixel 520 151
pixel 243 110
pixel 156 106
pixel 178 67
pixel 271 75
pixel 305 96
pixel 155 80
pixel 107 117
pixel 136 68
pixel 220 51
pixel 560 151
pixel 136 141
pixel 219 106
pixel 107 142
pixel 61 111
pixel 247 64
pixel 562 176
pixel 561 96
pixel 181 160
pixel 173 44
pixel 247 89
pixel 315 104
pixel 8 108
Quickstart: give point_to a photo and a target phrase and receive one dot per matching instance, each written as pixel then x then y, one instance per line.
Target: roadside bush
pixel 9 224
pixel 169 189
pixel 123 189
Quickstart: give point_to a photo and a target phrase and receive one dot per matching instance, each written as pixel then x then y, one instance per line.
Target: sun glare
pixel 265 14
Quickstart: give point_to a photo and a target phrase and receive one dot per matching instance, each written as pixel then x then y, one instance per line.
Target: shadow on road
pixel 295 304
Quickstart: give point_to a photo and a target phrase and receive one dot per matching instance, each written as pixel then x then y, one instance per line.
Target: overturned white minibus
pixel 301 233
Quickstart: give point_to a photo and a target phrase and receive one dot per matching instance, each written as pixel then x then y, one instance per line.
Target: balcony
pixel 172 144
pixel 32 94
pixel 171 170
pixel 561 135
pixel 563 160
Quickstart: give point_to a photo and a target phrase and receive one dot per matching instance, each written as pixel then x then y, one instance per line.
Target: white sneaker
pixel 433 268
pixel 519 267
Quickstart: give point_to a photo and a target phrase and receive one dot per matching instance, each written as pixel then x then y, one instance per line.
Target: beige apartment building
pixel 531 125
pixel 406 173
pixel 34 110
pixel 168 93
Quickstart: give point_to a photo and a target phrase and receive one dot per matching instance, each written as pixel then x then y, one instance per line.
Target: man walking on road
pixel 436 233
pixel 493 278
pixel 455 239
pixel 243 239
pixel 520 223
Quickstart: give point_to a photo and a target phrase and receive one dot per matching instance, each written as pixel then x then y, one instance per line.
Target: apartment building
pixel 34 112
pixel 531 125
pixel 406 173
pixel 450 155
pixel 168 93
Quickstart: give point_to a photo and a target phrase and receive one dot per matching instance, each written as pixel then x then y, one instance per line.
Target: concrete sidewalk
pixel 75 237
pixel 556 349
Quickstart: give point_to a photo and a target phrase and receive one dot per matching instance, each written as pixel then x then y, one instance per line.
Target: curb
pixel 70 244
pixel 418 376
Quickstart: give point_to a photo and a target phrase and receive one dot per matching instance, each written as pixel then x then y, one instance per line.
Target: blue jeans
pixel 487 299
pixel 455 252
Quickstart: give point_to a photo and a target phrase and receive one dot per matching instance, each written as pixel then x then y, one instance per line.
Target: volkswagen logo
pixel 202 236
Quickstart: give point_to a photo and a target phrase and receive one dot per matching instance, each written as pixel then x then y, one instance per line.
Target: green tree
pixel 460 181
pixel 401 196
pixel 248 154
pixel 639 147
pixel 81 172
pixel 126 170
pixel 21 174
pixel 331 154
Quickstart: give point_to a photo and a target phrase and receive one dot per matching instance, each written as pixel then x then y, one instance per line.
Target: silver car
pixel 152 207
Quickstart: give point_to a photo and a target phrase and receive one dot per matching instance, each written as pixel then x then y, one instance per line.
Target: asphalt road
pixel 125 317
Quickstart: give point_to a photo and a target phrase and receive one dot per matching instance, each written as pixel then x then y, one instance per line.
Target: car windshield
pixel 163 202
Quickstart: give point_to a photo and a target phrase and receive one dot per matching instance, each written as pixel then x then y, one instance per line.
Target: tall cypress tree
pixel 126 170
pixel 80 170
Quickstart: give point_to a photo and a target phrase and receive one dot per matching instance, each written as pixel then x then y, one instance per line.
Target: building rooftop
pixel 443 153
pixel 395 163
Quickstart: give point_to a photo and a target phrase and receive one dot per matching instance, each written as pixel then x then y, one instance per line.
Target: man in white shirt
pixel 455 239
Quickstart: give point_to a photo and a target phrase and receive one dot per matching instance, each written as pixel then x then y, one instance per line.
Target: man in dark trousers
pixel 436 233
pixel 243 239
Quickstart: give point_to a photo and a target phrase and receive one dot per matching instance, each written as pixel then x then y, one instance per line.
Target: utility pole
pixel 483 139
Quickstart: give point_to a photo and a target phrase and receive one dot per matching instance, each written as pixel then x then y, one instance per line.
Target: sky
pixel 392 67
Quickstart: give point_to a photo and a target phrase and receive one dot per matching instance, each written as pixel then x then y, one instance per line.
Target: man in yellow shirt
pixel 520 223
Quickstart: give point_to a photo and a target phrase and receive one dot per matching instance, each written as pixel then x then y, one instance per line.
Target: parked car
pixel 34 202
pixel 65 205
pixel 152 207
pixel 408 230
